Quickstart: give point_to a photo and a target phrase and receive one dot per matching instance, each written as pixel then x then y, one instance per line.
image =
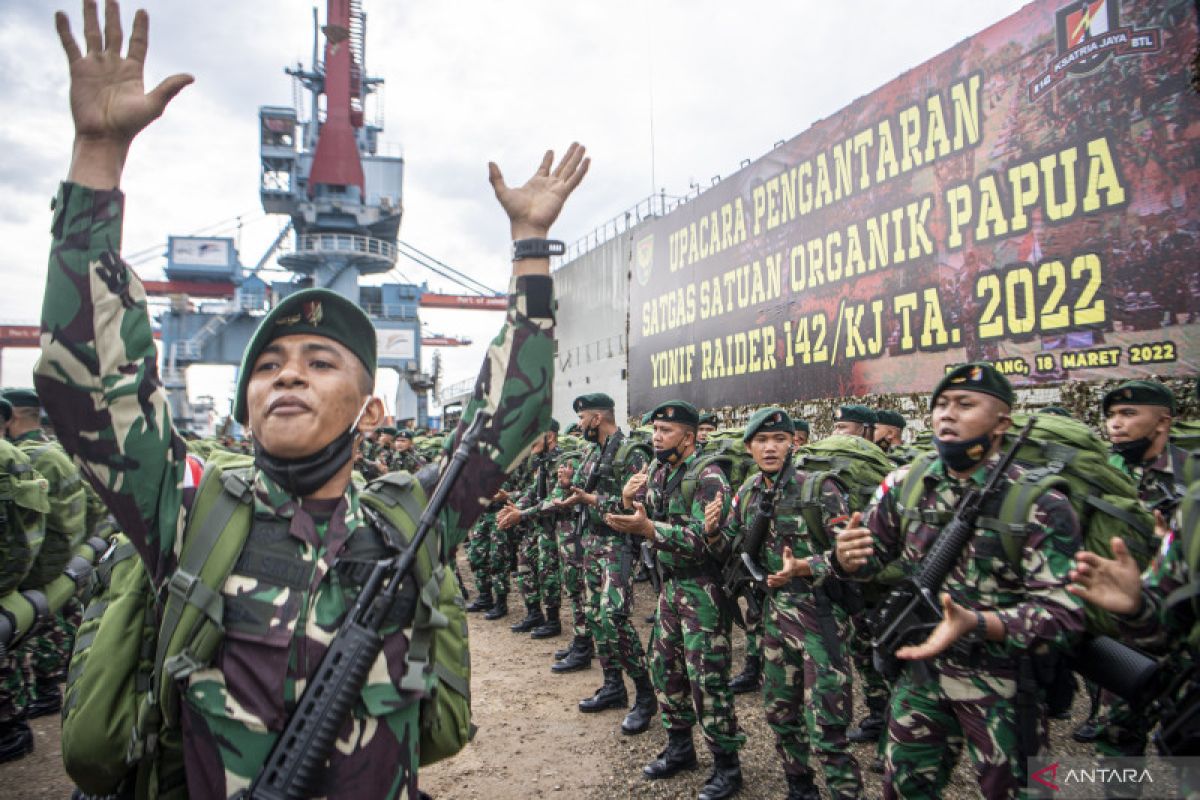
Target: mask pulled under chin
pixel 592 434
pixel 302 476
pixel 1133 451
pixel 963 456
pixel 669 456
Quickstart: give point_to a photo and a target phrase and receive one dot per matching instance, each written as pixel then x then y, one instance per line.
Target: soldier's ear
pixel 373 415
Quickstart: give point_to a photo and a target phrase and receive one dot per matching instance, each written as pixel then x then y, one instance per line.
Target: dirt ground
pixel 533 742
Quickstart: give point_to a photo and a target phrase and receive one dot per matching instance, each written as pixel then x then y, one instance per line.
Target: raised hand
pixel 1113 584
pixel 792 567
pixel 634 485
pixel 507 517
pixel 853 547
pixel 636 523
pixel 712 514
pixel 956 621
pixel 532 208
pixel 109 103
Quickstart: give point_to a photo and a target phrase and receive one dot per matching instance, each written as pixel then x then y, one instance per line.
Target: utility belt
pixel 689 573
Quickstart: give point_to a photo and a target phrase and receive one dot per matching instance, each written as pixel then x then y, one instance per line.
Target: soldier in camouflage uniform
pixel 385 449
pixel 571 556
pixel 803 432
pixel 959 686
pixel 304 390
pixel 405 456
pixel 48 650
pixel 25 501
pixel 478 543
pixel 610 563
pixel 808 682
pixel 538 572
pixel 1138 416
pixel 690 649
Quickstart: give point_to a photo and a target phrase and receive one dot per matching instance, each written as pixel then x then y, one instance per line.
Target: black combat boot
pixel 16 740
pixel 750 678
pixel 1088 731
pixel 644 706
pixel 611 694
pixel 678 755
pixel 499 609
pixel 550 628
pixel 483 602
pixel 48 701
pixel 563 652
pixel 577 658
pixel 533 619
pixel 801 787
pixel 726 778
pixel 872 725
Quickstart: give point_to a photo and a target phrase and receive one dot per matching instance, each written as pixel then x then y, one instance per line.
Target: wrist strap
pixel 537 248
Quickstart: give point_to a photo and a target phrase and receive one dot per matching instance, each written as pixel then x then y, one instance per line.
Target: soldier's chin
pixel 292 440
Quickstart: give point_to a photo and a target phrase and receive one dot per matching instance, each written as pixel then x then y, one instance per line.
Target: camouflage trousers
pixel 477 557
pixel 499 555
pixel 754 632
pixel 610 603
pixel 874 686
pixel 690 658
pixel 1123 731
pixel 14 695
pixel 807 690
pixel 932 720
pixel 539 576
pixel 49 650
pixel 572 562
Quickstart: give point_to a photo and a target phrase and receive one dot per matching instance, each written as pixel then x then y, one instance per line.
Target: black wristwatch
pixel 537 248
pixel 979 632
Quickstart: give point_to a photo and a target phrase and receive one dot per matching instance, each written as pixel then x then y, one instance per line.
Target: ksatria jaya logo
pixel 1088 33
pixel 645 259
pixel 1046 776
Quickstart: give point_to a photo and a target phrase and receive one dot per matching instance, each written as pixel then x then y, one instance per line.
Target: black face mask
pixel 668 456
pixel 964 456
pixel 592 434
pixel 1133 451
pixel 302 476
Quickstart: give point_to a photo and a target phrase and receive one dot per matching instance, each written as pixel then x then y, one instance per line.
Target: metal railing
pixel 345 243
pixel 456 390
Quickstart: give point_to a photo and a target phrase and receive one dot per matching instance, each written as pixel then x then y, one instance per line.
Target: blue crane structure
pixel 343 199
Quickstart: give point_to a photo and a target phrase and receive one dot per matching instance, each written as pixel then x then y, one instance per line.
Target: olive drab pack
pixel 24 503
pixel 1184 602
pixel 858 465
pixel 1064 454
pixel 121 727
pixel 1186 434
pixel 726 449
pixel 65 521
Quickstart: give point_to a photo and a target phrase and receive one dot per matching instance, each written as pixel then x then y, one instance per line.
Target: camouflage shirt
pixel 1160 485
pixel 679 535
pixel 1152 627
pixel 789 528
pixel 99 377
pixel 608 488
pixel 1032 601
pixel 543 478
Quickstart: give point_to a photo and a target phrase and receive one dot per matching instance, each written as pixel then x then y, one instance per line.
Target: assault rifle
pixel 603 469
pixel 913 609
pixel 742 575
pixel 296 764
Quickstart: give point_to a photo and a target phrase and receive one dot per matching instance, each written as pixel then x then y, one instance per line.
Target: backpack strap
pixel 186 588
pixel 1189 544
pixel 811 508
pixel 1012 518
pixel 909 493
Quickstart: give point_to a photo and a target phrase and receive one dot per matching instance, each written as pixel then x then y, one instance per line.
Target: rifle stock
pixel 742 575
pixel 294 767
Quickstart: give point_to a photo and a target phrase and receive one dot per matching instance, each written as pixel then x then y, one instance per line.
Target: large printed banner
pixel 1030 197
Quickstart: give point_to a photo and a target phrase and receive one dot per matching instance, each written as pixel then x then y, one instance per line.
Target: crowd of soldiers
pixel 574 518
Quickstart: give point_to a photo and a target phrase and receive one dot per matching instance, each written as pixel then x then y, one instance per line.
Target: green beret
pixel 553 425
pixel 573 428
pixel 1134 393
pixel 767 420
pixel 386 430
pixel 679 411
pixel 646 417
pixel 1057 411
pixel 801 425
pixel 854 413
pixel 316 312
pixel 708 418
pixel 597 401
pixel 405 434
pixel 22 398
pixel 885 416
pixel 975 377
pixel 5 409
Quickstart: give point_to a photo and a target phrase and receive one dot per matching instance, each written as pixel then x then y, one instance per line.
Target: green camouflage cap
pixel 317 312
pixel 22 398
pixel 708 418
pixel 975 377
pixel 1140 393
pixel 885 416
pixel 5 409
pixel 801 425
pixel 767 420
pixel 679 411
pixel 596 401
pixel 854 413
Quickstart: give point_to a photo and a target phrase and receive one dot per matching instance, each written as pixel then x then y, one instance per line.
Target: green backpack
pixel 857 464
pixel 121 712
pixel 1184 602
pixel 726 449
pixel 1186 434
pixel 1063 454
pixel 24 504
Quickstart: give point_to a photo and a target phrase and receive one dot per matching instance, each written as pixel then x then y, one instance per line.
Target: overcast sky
pixel 466 82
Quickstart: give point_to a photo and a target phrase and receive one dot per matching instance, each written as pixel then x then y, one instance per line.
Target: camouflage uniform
pixel 47 652
pixel 610 564
pixel 409 460
pixel 970 697
pixel 478 545
pixel 807 683
pixel 689 646
pixel 539 575
pixel 1122 731
pixel 99 380
pixel 572 563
